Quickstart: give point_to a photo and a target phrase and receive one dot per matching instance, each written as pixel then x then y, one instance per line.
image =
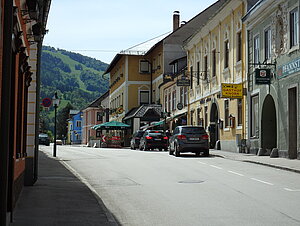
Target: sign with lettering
pixel 289 68
pixel 183 82
pixel 231 90
pixel 262 76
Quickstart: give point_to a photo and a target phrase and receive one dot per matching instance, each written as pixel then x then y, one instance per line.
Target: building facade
pixel 273 73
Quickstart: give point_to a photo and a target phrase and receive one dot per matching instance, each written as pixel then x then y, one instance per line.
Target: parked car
pixel 44 139
pixel 135 140
pixel 153 139
pixel 189 139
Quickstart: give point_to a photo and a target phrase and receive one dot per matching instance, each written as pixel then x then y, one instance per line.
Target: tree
pixel 62 121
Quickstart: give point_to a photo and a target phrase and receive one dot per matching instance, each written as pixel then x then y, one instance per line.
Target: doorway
pixel 213 126
pixel 292 120
pixel 268 124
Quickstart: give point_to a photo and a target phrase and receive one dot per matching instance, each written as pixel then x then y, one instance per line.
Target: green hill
pixel 77 79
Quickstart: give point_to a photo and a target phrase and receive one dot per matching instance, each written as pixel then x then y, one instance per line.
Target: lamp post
pixel 55 102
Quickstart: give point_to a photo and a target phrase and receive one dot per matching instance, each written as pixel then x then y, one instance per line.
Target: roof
pixel 96 103
pixel 137 50
pixel 142 110
pixel 74 112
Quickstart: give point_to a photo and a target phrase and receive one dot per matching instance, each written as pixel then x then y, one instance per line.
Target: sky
pixel 102 28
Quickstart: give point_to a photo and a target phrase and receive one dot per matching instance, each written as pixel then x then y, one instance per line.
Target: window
pixel 144 66
pixel 199 120
pixel 174 100
pixel 268 43
pixel 254 117
pixel 198 73
pixel 192 117
pixel 239 114
pixel 294 30
pixel 144 97
pixel 175 68
pixel 239 47
pixel 205 116
pixel 226 111
pixel 170 101
pixel 185 102
pixel 205 67
pixel 78 123
pixel 98 133
pixel 191 70
pixel 214 63
pixel 181 95
pixel 226 54
pixel 166 102
pixel 99 116
pixel 256 50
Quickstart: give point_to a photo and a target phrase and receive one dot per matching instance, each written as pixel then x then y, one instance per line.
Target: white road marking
pixel 203 163
pixel 239 174
pixel 288 189
pixel 261 181
pixel 216 166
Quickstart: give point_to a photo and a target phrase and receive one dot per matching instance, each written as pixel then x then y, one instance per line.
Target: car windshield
pixel 193 130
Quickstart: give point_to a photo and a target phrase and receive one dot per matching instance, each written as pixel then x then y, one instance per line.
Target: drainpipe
pixel 5 109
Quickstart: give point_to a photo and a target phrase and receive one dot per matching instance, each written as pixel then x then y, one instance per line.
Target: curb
pixel 259 163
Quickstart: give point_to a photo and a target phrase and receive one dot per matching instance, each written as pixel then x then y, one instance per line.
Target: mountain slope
pixel 77 79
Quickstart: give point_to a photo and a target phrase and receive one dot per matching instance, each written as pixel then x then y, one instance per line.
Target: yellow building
pixel 216 56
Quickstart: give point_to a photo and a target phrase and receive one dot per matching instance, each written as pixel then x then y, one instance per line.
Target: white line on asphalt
pixel 235 173
pixel 203 163
pixel 216 167
pixel 288 189
pixel 261 181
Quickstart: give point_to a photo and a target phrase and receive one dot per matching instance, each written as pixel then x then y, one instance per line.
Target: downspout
pixel 5 108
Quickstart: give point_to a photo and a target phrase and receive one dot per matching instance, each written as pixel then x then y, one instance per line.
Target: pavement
pixel 60 198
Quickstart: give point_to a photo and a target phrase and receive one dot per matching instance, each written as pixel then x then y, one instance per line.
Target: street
pixel 154 188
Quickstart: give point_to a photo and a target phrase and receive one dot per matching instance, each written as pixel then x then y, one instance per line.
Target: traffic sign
pixel 46 102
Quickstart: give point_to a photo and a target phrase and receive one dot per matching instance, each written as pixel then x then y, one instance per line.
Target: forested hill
pixel 77 79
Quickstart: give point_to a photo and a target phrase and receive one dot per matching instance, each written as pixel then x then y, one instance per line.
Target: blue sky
pixel 102 28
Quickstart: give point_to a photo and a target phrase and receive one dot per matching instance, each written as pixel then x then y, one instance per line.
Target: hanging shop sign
pixel 231 90
pixel 183 82
pixel 288 68
pixel 262 76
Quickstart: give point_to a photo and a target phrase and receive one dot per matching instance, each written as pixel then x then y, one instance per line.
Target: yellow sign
pixel 232 90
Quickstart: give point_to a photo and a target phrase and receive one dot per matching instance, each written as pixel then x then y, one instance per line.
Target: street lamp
pixel 55 101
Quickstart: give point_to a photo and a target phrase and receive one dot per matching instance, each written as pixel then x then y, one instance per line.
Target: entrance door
pixel 268 124
pixel 213 127
pixel 292 128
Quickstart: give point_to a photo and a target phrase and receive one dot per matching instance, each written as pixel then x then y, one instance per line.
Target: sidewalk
pixel 59 198
pixel 279 163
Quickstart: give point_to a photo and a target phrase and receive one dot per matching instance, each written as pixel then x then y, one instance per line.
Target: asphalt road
pixel 154 188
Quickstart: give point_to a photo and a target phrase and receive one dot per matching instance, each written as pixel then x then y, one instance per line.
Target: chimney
pixel 175 20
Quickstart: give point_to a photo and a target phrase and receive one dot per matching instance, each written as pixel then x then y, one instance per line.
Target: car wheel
pixel 160 149
pixel 206 153
pixel 177 152
pixel 197 153
pixel 170 150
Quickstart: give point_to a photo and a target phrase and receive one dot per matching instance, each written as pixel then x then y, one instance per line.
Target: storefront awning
pixel 112 125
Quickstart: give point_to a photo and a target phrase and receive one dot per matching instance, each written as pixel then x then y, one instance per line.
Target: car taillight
pixel 181 137
pixel 205 137
pixel 166 138
pixel 148 138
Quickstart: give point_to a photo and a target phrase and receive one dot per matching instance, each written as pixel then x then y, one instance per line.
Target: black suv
pixel 44 139
pixel 189 139
pixel 135 140
pixel 153 139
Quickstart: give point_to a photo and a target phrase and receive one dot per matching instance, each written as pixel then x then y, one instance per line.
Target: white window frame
pixel 256 54
pixel 295 44
pixel 268 43
pixel 254 130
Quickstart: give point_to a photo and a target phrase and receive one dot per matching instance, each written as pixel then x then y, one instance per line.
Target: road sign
pixel 46 102
pixel 232 90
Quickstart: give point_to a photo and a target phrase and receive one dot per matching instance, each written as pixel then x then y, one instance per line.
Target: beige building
pixel 216 56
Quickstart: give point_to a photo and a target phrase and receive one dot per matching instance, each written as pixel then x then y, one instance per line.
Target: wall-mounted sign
pixel 179 106
pixel 231 90
pixel 288 68
pixel 262 76
pixel 183 82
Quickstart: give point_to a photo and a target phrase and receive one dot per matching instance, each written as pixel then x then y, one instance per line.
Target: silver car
pixel 189 139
